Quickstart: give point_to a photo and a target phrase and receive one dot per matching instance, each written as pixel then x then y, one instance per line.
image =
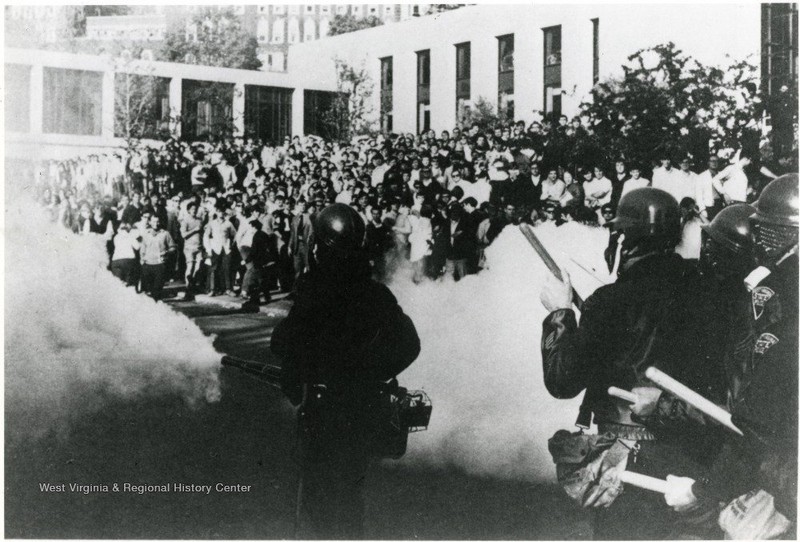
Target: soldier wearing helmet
pixel 647 318
pixel 761 467
pixel 344 336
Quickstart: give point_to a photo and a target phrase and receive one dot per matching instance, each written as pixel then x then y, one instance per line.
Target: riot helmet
pixel 339 235
pixel 728 243
pixel 775 222
pixel 340 228
pixel 648 221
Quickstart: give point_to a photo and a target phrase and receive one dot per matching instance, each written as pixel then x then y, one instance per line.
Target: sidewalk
pixel 279 306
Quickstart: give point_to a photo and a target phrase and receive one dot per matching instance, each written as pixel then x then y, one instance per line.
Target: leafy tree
pixel 482 113
pixel 342 24
pixel 220 40
pixel 668 102
pixel 349 114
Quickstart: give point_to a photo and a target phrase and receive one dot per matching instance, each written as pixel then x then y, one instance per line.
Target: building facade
pixel 519 58
pixel 59 104
pixel 275 26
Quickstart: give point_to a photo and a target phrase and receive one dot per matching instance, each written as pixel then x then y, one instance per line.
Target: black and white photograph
pixel 401 271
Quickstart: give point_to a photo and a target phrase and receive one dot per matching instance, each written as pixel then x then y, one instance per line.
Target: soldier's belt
pixel 631 432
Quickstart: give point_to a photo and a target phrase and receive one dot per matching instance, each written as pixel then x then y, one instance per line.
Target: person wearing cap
pixel 344 338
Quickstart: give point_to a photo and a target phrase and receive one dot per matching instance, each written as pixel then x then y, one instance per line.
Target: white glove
pixel 679 493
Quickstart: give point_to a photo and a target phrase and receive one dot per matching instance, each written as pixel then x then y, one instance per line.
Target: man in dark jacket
pixel 257 259
pixel 343 338
pixel 461 243
pixel 647 318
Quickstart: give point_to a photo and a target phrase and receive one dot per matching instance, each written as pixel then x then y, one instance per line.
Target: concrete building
pixel 62 104
pixel 127 27
pixel 275 26
pixel 39 23
pixel 521 58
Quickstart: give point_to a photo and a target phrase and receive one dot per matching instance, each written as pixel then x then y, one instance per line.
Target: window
pixel 463 72
pixel 268 112
pixel 73 102
pixel 505 76
pixel 279 10
pixel 341 9
pixel 207 108
pixel 505 46
pixel 325 8
pixel 17 93
pixel 595 50
pixel 778 46
pixel 552 69
pixel 309 9
pixel 316 104
pixel 294 30
pixel 294 9
pixel 309 29
pixel 262 29
pixel 387 98
pixel 423 91
pixel 424 68
pixel 552 45
pixel 277 30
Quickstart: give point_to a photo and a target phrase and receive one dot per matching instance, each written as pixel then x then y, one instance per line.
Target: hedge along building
pixel 520 58
pixel 61 105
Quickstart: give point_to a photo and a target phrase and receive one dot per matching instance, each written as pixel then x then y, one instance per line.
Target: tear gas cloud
pixel 481 360
pixel 76 337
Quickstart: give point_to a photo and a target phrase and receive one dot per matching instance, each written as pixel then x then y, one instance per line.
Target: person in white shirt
pixel 552 187
pixel 708 199
pixel 732 182
pixel 380 170
pixel 636 181
pixel 663 176
pixel 598 190
pixel 685 181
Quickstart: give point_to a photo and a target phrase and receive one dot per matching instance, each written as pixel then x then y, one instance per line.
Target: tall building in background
pixel 276 26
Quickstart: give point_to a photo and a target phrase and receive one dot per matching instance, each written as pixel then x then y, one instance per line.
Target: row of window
pixel 73 104
pixel 341 9
pixel 505 79
pixel 281 28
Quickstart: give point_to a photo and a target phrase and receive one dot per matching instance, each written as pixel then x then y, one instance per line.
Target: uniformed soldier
pixel 344 337
pixel 647 318
pixel 727 257
pixel 766 405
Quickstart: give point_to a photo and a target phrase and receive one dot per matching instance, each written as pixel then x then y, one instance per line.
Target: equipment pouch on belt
pixel 588 466
pixel 380 417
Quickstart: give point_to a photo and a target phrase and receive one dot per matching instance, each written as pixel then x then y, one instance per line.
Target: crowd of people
pixel 236 216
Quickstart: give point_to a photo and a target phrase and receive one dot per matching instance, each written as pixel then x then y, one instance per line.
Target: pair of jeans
pixel 153 279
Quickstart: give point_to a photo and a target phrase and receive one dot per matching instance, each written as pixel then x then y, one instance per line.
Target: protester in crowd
pixel 155 245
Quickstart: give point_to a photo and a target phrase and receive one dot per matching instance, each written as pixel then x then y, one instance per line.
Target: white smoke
pixel 76 337
pixel 481 360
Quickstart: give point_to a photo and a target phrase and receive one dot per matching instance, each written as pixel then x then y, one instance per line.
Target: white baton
pixel 645 482
pixel 716 413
